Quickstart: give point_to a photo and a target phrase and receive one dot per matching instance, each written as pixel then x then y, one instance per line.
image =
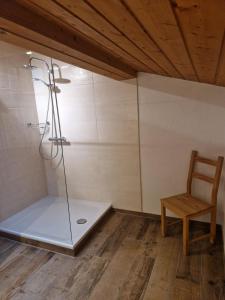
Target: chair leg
pixel 186 236
pixel 163 220
pixel 213 226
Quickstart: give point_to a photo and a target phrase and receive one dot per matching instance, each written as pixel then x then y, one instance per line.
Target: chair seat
pixel 184 205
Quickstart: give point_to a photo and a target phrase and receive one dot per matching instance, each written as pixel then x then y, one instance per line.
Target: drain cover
pixel 81 221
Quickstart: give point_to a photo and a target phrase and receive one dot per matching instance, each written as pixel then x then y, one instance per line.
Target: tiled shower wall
pixel 99 118
pixel 22 176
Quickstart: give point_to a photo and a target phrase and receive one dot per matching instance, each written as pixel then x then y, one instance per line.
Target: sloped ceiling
pixel 118 38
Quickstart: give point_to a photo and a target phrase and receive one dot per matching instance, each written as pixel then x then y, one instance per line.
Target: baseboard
pixel 137 213
pixel 37 244
pixel 158 217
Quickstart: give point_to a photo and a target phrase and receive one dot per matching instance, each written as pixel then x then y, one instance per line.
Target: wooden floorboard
pixel 125 258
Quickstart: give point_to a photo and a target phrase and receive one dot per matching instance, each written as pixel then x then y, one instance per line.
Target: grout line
pixel 139 141
pixel 94 103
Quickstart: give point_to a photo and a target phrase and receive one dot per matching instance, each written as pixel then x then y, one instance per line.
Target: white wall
pixel 176 117
pixel 22 176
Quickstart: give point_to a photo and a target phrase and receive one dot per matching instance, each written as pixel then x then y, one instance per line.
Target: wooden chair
pixel 186 206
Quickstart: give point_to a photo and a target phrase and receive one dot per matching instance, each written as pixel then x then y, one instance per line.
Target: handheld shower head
pixel 53 87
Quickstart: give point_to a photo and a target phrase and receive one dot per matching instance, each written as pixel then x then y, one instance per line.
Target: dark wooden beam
pixel 26 24
pixel 48 51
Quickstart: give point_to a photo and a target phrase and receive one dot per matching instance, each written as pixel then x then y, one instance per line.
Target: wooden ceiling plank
pixel 89 15
pixel 37 27
pixel 54 11
pixel 118 15
pixel 202 23
pixel 158 19
pixel 42 49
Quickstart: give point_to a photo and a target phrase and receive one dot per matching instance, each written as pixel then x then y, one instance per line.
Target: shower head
pixel 60 79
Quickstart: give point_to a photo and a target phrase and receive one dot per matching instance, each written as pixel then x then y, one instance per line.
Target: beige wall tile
pixel 123 111
pixel 114 91
pixel 22 179
pixel 82 165
pixel 84 192
pixel 128 200
pixel 104 173
pixel 119 132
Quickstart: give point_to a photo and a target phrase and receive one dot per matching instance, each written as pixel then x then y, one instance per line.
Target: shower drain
pixel 81 221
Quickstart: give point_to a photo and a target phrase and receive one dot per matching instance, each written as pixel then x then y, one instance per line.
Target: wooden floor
pixel 126 258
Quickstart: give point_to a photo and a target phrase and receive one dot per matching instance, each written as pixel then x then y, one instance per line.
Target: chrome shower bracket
pixel 43 127
pixel 38 125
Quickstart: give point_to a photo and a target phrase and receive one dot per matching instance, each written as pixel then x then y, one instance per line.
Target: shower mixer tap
pixel 52 110
pixel 59 141
pixel 55 139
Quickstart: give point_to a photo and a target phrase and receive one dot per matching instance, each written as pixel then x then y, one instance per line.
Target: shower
pixel 52 119
pixel 48 205
pixel 60 79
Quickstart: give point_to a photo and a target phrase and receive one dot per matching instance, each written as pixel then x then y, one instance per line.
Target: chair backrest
pixel 218 164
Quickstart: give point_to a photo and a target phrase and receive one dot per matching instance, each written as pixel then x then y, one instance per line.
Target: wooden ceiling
pixel 118 38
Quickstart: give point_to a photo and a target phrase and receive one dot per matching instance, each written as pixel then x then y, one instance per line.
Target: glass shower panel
pixel 54 219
